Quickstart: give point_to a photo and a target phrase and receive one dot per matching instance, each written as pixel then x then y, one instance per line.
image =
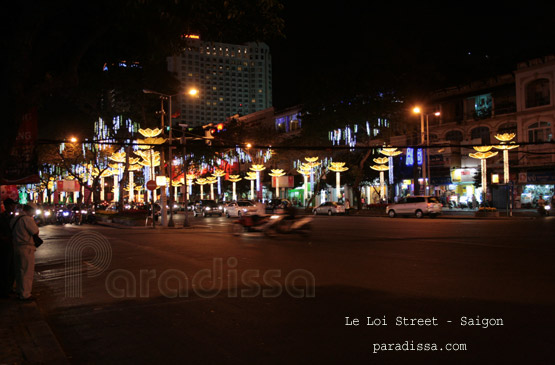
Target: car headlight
pixel 47 213
pixel 65 214
pixel 83 212
pixel 207 208
pixel 548 207
pixel 38 212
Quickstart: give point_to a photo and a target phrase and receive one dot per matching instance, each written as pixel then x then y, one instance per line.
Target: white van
pixel 418 206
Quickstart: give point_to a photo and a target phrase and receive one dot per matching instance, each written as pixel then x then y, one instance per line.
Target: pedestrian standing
pixel 7 270
pixel 23 228
pixel 347 206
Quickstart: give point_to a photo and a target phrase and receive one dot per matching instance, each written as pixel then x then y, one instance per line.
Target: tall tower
pixel 231 79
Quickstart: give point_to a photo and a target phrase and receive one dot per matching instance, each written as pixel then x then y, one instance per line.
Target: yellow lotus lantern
pixel 505 146
pixel 391 152
pixel 118 157
pixel 338 168
pixel 277 173
pixel 201 181
pixel 218 173
pixel 150 132
pixel 211 180
pixel 252 176
pixel 305 171
pixel 381 167
pixel 234 179
pixel 257 168
pixel 483 153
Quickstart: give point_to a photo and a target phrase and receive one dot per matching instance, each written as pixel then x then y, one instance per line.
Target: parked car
pixel 417 206
pixel 207 208
pixel 240 208
pixel 329 208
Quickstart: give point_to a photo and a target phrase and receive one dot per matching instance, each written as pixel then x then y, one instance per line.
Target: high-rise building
pixel 230 79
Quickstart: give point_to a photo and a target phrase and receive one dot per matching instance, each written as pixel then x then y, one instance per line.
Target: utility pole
pixel 170 167
pixel 185 166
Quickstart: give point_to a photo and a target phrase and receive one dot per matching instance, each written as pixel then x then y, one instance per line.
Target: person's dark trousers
pixel 7 269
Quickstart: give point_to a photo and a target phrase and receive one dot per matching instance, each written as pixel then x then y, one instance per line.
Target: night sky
pixel 350 42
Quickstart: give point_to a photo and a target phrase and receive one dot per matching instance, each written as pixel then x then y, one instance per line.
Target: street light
pixel 425 140
pixel 192 92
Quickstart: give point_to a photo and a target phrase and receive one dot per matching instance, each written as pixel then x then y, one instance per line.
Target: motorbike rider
pixel 541 206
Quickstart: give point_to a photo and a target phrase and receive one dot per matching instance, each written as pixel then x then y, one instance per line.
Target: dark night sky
pixel 347 39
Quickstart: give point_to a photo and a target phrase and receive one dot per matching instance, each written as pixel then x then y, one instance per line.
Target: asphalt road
pixel 199 295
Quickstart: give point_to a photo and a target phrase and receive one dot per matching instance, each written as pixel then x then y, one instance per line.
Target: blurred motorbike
pixel 544 210
pixel 44 216
pixel 271 225
pixel 90 216
pixel 63 216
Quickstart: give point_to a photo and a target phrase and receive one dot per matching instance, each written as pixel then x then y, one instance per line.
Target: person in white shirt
pixel 23 228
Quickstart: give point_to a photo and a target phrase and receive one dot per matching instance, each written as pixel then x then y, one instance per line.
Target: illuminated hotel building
pixel 231 79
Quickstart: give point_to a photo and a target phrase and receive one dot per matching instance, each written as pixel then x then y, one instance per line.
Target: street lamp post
pixel 191 92
pixel 425 141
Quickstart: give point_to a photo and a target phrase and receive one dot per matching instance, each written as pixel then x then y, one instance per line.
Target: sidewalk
pixel 25 337
pixel 460 213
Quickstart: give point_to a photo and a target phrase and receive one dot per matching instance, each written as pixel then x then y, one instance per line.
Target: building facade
pixel 230 79
pixel 522 103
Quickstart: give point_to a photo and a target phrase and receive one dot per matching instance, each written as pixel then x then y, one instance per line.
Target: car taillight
pixel 430 205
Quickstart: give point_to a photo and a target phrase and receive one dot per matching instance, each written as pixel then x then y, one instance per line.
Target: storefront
pixel 462 189
pixel 532 186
